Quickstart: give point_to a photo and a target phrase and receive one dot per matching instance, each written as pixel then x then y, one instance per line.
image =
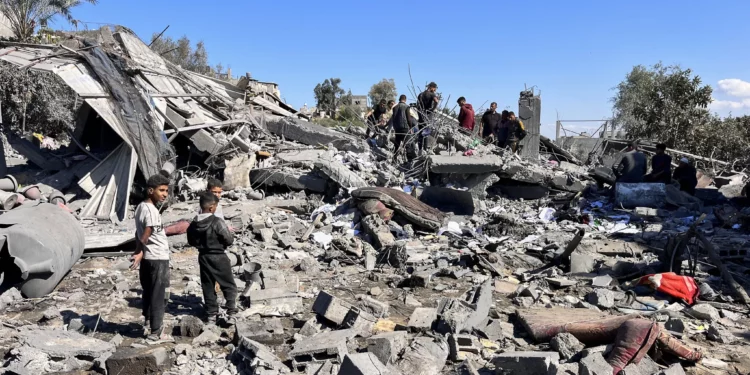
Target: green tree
pixel 181 52
pixel 385 89
pixel 329 95
pixel 25 15
pixel 662 103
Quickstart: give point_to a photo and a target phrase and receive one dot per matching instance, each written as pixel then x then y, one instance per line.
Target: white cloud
pixel 723 105
pixel 735 87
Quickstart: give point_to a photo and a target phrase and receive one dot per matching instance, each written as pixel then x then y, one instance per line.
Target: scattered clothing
pixel 682 287
pixel 632 167
pixel 466 116
pixel 147 215
pixel 490 122
pixel 686 175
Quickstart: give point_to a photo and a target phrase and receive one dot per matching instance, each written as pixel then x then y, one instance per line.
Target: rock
pixel 208 337
pixel 603 298
pixel 362 364
pixel 567 345
pixel 527 363
pixel 564 369
pixel 116 340
pixel 602 281
pixel 182 349
pixel 704 312
pixel 714 363
pixel 9 296
pixel 720 335
pixel 137 361
pixel 51 313
pixel 731 315
pixel 375 291
pixel 388 346
pixel 190 326
pixel 646 366
pixel 76 325
pixel 595 364
pixel 675 369
pixel 581 263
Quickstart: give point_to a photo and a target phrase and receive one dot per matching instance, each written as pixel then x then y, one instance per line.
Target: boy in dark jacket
pixel 211 236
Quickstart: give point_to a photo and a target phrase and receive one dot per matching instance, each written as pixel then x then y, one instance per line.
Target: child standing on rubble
pixel 211 236
pixel 215 187
pixel 152 254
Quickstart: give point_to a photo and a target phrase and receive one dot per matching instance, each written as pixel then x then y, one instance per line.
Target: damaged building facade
pixel 466 259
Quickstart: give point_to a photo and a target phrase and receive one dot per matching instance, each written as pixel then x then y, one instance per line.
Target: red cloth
pixel 466 116
pixel 683 287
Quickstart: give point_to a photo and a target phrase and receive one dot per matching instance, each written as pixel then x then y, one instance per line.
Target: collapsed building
pixel 464 260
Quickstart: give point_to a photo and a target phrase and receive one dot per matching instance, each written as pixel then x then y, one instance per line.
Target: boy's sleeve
pixel 222 231
pixel 191 237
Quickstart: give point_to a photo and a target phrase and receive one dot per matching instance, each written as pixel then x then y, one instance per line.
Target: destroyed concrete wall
pixel 530 112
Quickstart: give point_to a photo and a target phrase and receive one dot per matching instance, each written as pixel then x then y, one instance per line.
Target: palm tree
pixel 25 15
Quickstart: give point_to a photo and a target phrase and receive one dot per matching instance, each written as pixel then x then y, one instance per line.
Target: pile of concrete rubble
pixel 465 260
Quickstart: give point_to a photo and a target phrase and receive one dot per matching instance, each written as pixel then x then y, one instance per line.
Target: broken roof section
pixel 139 94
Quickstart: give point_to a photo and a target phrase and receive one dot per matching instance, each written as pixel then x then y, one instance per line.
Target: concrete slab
pixel 300 158
pixel 631 195
pixel 65 344
pixel 464 164
pixel 338 172
pixel 138 361
pixel 289 179
pixel 312 134
pixel 363 364
pixel 267 332
pixel 527 363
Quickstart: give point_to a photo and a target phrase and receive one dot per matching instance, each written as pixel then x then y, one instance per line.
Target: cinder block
pixel 326 346
pixel 462 344
pixel 387 346
pixel 331 308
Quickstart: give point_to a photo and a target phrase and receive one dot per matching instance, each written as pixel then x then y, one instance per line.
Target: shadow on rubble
pixel 97 323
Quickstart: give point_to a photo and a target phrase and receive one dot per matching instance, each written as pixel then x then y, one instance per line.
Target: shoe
pixel 161 337
pixel 146 328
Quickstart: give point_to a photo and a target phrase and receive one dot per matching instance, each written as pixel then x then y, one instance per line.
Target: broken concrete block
pixel 461 344
pixel 312 134
pixel 704 312
pixel 464 164
pixel 630 195
pixel 363 364
pixel 721 335
pixel 331 308
pixel 259 358
pixel 376 308
pixel 602 281
pixel 338 172
pixel 675 369
pixel 65 344
pixel 425 356
pixel 387 346
pixel 595 364
pixel 458 316
pixel 359 321
pixel 267 332
pixel 567 345
pixel 602 297
pixel 132 361
pixel 581 263
pixel 567 183
pixel 292 180
pixel 422 319
pixel 505 287
pixel 564 369
pixel 266 235
pixel 529 363
pixel 646 366
pixel 380 233
pixel 190 326
pixel 208 337
pixel 310 328
pixel 320 348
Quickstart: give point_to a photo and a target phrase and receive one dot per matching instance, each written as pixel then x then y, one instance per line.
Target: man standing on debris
pixel 466 114
pixel 686 175
pixel 501 130
pixel 427 103
pixel 402 123
pixel 661 166
pixel 490 122
pixel 211 236
pixel 516 132
pixel 632 166
pixel 152 254
pixel 375 118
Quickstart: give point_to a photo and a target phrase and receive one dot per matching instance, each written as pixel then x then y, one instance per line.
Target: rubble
pixel 463 259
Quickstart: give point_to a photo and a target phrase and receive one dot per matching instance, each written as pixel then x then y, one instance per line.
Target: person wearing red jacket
pixel 466 116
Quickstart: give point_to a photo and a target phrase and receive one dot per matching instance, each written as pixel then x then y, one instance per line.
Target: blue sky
pixel 573 51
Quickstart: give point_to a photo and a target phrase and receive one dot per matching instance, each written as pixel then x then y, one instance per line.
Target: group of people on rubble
pixel 208 232
pixel 633 167
pixel 502 129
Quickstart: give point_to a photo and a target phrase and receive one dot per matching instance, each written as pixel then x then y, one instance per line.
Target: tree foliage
pixel 385 89
pixel 25 15
pixel 181 52
pixel 40 99
pixel 668 104
pixel 329 95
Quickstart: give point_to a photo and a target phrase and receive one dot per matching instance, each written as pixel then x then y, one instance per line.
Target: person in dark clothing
pixel 490 122
pixel 686 175
pixel 632 166
pixel 211 236
pixel 375 118
pixel 466 114
pixel 661 166
pixel 501 131
pixel 427 103
pixel 402 122
pixel 515 127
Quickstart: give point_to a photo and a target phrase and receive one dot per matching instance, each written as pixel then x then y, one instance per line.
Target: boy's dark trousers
pixel 215 268
pixel 154 275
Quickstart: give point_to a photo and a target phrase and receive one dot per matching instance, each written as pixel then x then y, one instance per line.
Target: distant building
pixel 360 101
